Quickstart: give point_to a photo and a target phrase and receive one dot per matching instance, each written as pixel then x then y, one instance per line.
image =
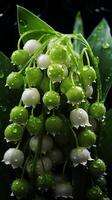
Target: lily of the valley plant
pixel 58 129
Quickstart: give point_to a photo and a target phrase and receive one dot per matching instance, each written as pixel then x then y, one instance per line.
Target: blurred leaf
pixel 78 28
pixel 5 69
pixel 8 98
pixel 6 102
pixel 27 21
pixel 101 43
pixel 105 147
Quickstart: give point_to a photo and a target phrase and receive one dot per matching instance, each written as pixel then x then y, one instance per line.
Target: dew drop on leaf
pixel 23 23
pixel 4 108
pixel 1 14
pixel 1 74
pixel 101 26
pixel 107 79
pixel 105 45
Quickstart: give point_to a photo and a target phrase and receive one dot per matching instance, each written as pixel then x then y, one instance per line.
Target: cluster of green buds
pixel 57 103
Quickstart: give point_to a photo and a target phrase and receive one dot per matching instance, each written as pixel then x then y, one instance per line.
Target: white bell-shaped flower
pixel 79 117
pixel 80 155
pixel 89 91
pixel 31 46
pixel 13 157
pixel 30 97
pixel 43 61
pixel 47 144
pixel 64 190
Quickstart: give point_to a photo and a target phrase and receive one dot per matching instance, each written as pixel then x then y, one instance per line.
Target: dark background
pixel 60 14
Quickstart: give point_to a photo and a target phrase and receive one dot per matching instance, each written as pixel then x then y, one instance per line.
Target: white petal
pixel 83 125
pixel 7 140
pixel 76 126
pixel 14 166
pixel 50 107
pixel 90 158
pixel 83 163
pixel 75 164
pixel 12 194
pixel 88 124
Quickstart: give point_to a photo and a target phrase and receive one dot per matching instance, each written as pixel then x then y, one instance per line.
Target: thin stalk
pixel 74 57
pixel 84 51
pixel 71 76
pixel 64 167
pixel 33 31
pixel 37 155
pixel 99 87
pixel 75 136
pixel 50 85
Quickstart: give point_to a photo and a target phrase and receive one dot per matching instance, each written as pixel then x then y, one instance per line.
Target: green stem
pixel 34 31
pixel 17 147
pixel 20 102
pixel 27 80
pixel 42 164
pixel 70 49
pixel 99 87
pixel 37 155
pixel 71 76
pixel 50 85
pixel 24 167
pixel 87 57
pixel 64 167
pixel 29 63
pixel 75 136
pixel 32 111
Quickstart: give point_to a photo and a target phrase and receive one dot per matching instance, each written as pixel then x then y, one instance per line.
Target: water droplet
pixel 101 26
pixel 26 26
pixel 97 10
pixel 107 79
pixel 15 131
pixel 94 35
pixel 1 14
pixel 105 45
pixel 4 108
pixel 23 23
pixel 1 74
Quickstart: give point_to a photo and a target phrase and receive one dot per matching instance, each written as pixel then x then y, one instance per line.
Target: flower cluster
pixel 57 104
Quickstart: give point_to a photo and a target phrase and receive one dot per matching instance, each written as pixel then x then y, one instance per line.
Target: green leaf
pixel 6 102
pixel 5 69
pixel 105 147
pixel 101 43
pixel 78 28
pixel 7 99
pixel 27 21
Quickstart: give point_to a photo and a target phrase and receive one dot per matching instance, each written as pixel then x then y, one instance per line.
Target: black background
pixel 60 14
